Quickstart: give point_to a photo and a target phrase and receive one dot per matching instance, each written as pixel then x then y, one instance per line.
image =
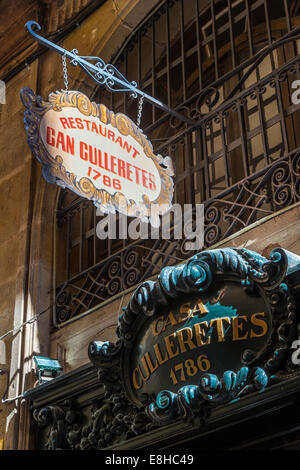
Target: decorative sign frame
pixel 254 273
pixel 63 165
pixel 213 331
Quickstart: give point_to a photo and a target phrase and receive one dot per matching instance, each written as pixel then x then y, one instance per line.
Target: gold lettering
pixel 258 322
pixel 155 331
pixel 200 308
pixel 158 355
pixel 146 369
pixel 237 326
pixel 134 379
pixel 169 321
pixel 185 309
pixel 188 340
pixel 220 327
pixel 149 361
pixel 169 346
pixel 200 333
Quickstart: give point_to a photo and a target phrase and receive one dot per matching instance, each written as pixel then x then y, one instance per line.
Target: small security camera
pixel 46 368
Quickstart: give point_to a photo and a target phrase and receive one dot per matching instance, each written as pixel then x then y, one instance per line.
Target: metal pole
pixel 102 73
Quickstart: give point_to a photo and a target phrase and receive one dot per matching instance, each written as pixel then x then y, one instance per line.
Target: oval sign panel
pixel 98 154
pixel 208 333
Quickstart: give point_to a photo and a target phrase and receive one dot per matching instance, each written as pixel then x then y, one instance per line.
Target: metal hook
pixel 103 74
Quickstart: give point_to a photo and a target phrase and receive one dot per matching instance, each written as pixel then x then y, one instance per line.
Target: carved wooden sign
pixel 207 333
pixel 96 153
pixel 190 346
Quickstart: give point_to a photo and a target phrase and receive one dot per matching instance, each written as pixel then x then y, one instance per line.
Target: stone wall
pixel 15 215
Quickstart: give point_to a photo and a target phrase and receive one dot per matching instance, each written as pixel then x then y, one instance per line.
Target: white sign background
pixel 74 164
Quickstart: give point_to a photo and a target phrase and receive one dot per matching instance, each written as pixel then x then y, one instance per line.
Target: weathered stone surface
pixel 13 208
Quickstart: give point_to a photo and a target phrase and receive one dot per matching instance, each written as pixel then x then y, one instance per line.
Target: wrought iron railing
pixel 264 193
pixel 221 38
pixel 275 187
pixel 241 159
pixel 236 150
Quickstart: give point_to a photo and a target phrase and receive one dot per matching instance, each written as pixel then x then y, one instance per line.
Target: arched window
pixel 229 66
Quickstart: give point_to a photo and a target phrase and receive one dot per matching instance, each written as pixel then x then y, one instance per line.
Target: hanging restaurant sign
pixel 100 155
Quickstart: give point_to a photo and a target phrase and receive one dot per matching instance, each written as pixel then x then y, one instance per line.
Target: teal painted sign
pixel 207 333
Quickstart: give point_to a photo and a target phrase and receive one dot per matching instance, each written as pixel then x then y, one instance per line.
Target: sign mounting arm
pixel 102 73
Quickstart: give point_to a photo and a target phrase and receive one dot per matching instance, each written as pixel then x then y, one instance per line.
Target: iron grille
pixel 229 66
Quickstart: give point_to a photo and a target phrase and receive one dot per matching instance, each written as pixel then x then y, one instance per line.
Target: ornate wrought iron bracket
pixel 102 73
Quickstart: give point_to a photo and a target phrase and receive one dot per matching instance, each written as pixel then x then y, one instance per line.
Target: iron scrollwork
pixel 275 187
pixel 105 75
pixel 102 73
pixel 105 280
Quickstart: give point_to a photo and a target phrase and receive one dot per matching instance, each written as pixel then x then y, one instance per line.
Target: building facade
pixel 231 69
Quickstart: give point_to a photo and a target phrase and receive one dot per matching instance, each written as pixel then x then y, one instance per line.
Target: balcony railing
pixel 266 192
pixel 241 160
